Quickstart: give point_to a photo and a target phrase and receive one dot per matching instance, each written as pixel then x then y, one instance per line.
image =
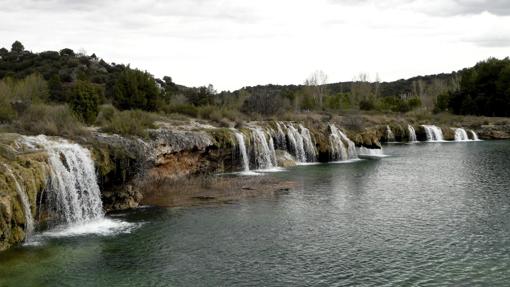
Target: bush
pixel 50 120
pixel 366 105
pixel 84 99
pixel 135 89
pixel 184 109
pixel 132 122
pixel 105 115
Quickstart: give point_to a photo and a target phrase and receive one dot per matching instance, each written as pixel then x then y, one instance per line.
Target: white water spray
pixel 434 134
pixel 371 153
pixel 264 156
pixel 474 135
pixel 412 134
pixel 461 135
pixel 73 192
pixel 242 150
pixel 338 141
pixel 390 137
pixel 25 203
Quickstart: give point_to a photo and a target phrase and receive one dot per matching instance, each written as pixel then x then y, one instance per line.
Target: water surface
pixel 430 215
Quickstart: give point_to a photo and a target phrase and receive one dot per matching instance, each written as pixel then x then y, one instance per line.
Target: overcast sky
pixel 236 43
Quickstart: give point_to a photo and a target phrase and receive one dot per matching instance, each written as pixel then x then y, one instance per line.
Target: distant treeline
pixel 85 87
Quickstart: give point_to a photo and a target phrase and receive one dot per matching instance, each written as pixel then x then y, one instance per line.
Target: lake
pixel 430 214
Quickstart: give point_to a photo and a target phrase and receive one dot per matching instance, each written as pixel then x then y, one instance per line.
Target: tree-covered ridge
pixel 484 90
pixel 57 92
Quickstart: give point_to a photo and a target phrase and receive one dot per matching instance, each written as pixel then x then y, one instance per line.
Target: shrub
pixel 184 109
pixel 105 115
pixel 84 99
pixel 50 120
pixel 366 105
pixel 131 122
pixel 135 89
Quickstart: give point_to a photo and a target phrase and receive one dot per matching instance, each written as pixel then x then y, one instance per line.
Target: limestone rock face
pixel 26 170
pixel 369 138
pixel 494 132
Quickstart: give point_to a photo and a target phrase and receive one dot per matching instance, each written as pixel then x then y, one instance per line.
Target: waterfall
pixel 434 134
pixel 390 137
pixel 265 157
pixel 281 142
pixel 338 141
pixel 296 143
pixel 461 135
pixel 25 203
pixel 474 135
pixel 273 152
pixel 73 192
pixel 242 150
pixel 412 134
pixel 300 143
pixel 308 145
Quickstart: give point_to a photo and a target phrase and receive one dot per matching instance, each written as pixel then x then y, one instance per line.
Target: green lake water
pixel 432 214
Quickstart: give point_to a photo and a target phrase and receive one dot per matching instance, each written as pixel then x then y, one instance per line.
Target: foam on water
pixel 101 227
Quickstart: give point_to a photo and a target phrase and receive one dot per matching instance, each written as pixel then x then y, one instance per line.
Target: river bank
pixel 175 165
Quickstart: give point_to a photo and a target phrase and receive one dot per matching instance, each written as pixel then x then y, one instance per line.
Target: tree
pixel 67 52
pixel 135 89
pixel 84 99
pixel 56 89
pixel 316 86
pixel 17 47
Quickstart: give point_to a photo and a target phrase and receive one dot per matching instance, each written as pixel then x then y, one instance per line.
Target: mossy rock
pixel 223 137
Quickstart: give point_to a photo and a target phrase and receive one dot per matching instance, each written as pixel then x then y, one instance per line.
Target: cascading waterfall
pixel 281 141
pixel 73 192
pixel 309 147
pixel 242 150
pixel 337 140
pixel 273 152
pixel 434 134
pixel 474 135
pixel 461 135
pixel 389 134
pixel 300 143
pixel 412 134
pixel 25 203
pixel 296 143
pixel 265 158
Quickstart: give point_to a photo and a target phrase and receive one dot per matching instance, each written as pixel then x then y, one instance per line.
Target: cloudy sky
pixel 236 43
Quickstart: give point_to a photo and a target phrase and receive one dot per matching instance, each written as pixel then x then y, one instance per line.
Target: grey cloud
pixel 439 7
pixel 189 9
pixel 491 41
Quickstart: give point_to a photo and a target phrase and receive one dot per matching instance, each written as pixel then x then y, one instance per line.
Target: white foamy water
pixel 342 148
pixel 390 137
pixel 434 134
pixel 461 135
pixel 474 136
pixel 100 227
pixel 412 134
pixel 25 203
pixel 242 150
pixel 371 153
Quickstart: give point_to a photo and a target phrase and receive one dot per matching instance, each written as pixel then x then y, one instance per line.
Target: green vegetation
pixel 484 90
pixel 84 99
pixel 131 122
pixel 63 92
